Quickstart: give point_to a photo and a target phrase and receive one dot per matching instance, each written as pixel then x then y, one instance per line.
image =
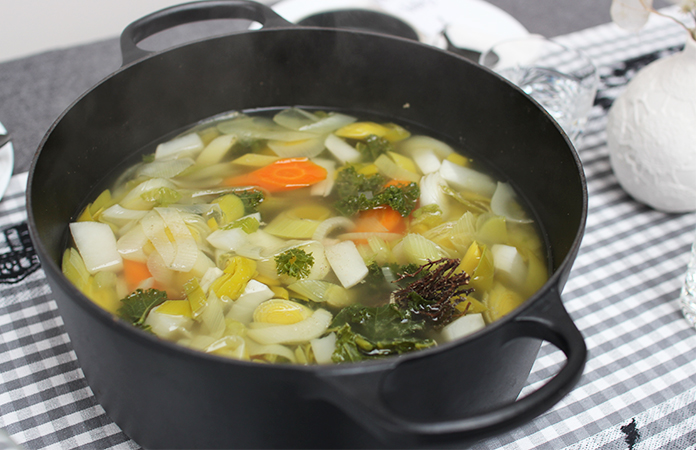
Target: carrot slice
pixel 397 183
pixel 385 216
pixel 135 272
pixel 282 175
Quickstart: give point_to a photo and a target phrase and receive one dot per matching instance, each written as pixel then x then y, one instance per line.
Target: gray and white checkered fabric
pixel 638 390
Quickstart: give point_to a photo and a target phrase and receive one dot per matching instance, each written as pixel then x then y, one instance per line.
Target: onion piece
pixel 304 331
pixel 323 348
pixel 324 187
pixel 131 244
pixel 322 291
pixel 463 326
pixel 330 123
pixel 431 192
pixel 509 264
pixel 306 148
pixel 167 168
pixel 230 347
pixel 295 118
pixel 168 326
pixel 504 203
pixel 186 145
pixel 120 216
pixel 390 169
pixel 256 349
pixel 342 150
pixel 257 127
pixel 255 160
pixel 133 199
pixel 417 249
pixel 346 262
pixel 216 150
pixel 209 277
pixel 329 225
pixel 186 247
pixel 426 160
pixel 254 294
pixel 96 243
pixel 212 317
pixel 411 146
pixel 228 240
pixel 465 178
pixel 159 270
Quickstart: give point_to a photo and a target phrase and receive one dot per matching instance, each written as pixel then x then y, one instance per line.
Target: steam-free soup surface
pixel 306 237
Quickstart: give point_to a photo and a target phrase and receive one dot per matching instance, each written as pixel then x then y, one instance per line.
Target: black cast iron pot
pixel 166 396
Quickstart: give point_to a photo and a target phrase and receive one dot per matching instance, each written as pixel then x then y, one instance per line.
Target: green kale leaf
pixel 373 147
pixel 138 304
pixel 354 347
pixel 401 199
pixel 357 192
pixel 251 198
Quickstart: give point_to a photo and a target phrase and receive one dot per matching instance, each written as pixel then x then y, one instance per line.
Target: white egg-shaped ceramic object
pixel 651 133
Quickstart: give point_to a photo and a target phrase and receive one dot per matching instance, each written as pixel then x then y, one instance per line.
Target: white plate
pixel 470 24
pixel 6 163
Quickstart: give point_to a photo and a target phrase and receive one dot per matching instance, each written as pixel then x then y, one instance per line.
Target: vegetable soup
pixel 306 237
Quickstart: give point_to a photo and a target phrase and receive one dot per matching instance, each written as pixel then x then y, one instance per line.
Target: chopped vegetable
pixel 364 333
pixel 254 294
pixel 232 207
pixel 373 147
pixel 281 312
pixel 390 169
pixel 362 130
pixel 135 273
pixel 137 305
pixel 251 198
pixel 305 148
pixel 238 272
pixel 216 150
pixel 311 328
pixel 380 219
pixel 294 262
pixel 97 246
pixel 509 264
pixel 359 192
pixel 504 203
pixel 323 348
pixel 463 326
pixel 468 179
pixel 165 168
pixel 282 175
pixel 186 145
pixel 322 291
pixel 342 150
pixel 346 263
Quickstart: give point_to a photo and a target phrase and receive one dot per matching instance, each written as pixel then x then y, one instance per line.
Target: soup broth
pixel 306 237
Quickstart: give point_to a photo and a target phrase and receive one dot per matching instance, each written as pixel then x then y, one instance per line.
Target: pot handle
pixel 192 12
pixel 361 399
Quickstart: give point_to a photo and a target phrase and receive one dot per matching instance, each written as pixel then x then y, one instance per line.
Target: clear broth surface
pixel 306 237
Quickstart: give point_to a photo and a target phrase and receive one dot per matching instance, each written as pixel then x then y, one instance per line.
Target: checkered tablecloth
pixel 638 390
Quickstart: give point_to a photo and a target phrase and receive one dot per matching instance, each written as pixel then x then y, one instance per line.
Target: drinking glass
pixel 564 81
